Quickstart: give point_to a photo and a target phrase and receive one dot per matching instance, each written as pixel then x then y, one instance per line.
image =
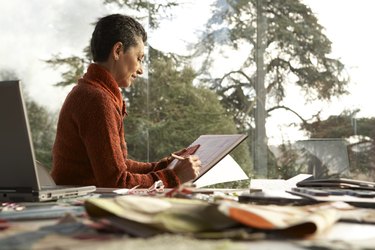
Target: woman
pixel 90 147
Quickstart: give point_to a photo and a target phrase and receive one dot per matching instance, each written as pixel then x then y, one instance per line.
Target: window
pixel 283 74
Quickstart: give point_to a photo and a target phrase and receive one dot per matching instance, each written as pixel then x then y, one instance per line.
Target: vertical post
pixel 260 143
pixel 148 86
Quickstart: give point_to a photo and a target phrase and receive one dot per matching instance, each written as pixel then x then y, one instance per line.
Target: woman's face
pixel 129 64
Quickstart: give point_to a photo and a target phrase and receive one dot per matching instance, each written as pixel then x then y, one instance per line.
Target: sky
pixel 34 30
pixel 349 26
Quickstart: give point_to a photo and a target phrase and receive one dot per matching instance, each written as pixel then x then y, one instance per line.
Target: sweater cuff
pixel 169 178
pixel 163 163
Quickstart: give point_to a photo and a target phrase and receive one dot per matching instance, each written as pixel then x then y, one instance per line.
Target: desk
pixel 78 232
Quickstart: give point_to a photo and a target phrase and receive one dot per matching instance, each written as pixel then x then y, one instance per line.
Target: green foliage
pixel 287 163
pixel 343 125
pixel 43 131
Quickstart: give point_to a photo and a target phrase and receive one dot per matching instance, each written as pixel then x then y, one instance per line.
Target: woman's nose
pixel 140 70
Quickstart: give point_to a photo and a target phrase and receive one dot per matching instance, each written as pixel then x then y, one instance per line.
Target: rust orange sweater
pixel 90 147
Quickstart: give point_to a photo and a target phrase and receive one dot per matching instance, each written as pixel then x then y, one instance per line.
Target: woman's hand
pixel 187 168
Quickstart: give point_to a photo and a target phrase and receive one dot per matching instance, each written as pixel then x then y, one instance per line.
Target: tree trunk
pixel 260 143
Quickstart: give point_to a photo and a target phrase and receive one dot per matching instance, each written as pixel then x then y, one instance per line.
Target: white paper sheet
pixel 277 184
pixel 224 171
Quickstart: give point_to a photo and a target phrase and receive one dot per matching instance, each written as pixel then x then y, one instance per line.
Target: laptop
pixel 324 158
pixel 328 163
pixel 21 180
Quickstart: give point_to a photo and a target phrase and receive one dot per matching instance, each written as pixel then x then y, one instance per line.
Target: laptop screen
pixel 323 157
pixel 17 163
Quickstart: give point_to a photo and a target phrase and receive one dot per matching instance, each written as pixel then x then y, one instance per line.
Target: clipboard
pixel 190 150
pixel 213 148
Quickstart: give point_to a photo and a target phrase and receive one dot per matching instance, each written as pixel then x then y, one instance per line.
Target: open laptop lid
pixel 324 158
pixel 20 176
pixel 17 162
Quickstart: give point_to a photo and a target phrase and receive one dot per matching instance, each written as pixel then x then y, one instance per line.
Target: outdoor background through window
pixel 293 75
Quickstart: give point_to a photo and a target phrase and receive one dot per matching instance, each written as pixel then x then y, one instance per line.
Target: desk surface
pixel 26 235
pixel 77 231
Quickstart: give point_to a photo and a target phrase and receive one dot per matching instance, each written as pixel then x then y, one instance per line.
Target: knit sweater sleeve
pixel 145 167
pixel 100 131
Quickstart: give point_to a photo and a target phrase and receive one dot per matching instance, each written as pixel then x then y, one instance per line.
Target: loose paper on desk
pixel 277 184
pixel 224 171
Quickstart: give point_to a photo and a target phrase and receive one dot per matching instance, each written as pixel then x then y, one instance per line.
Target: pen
pixel 178 157
pixel 124 191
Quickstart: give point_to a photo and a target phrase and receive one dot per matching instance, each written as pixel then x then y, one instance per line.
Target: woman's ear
pixel 116 50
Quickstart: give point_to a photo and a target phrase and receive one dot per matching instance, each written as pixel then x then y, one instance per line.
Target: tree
pixel 286 40
pixel 151 10
pixel 43 131
pixel 42 125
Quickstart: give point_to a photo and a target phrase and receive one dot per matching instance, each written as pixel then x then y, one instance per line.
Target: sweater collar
pixel 99 76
